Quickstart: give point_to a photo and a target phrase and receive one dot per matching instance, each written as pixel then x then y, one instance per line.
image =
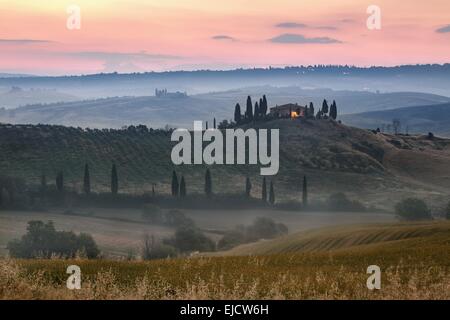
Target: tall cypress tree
pixel 208 183
pixel 265 107
pixel 249 110
pixel 86 180
pixel 60 181
pixel 248 187
pixel 182 187
pixel 256 113
pixel 305 192
pixel 333 110
pixel 237 113
pixel 311 109
pixel 214 123
pixel 114 180
pixel 271 194
pixel 325 107
pixel 175 185
pixel 264 190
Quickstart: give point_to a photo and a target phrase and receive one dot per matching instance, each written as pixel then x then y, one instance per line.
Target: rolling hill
pixel 335 158
pixel 418 119
pixel 349 238
pixel 158 112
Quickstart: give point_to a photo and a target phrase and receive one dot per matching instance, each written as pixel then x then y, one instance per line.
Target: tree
pixel 333 110
pixel 237 113
pixel 265 106
pixel 43 184
pixel 248 187
pixel 249 110
pixel 175 185
pixel 256 113
pixel 264 190
pixel 413 209
pixel 208 183
pixel 87 180
pixel 271 194
pixel 114 180
pixel 182 187
pixel 325 107
pixel 396 125
pixel 60 181
pixel 311 109
pixel 305 192
pixel 214 122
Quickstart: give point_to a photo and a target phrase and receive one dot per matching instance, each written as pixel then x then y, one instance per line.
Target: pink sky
pixel 139 35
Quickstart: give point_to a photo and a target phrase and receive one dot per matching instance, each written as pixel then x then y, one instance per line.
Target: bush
pixel 340 202
pixel 413 209
pixel 189 239
pixel 175 218
pixel 43 241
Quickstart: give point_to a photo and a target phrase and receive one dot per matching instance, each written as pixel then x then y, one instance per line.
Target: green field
pixel 414 259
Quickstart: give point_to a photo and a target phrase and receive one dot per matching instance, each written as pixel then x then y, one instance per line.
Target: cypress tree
pixel 208 183
pixel 325 107
pixel 264 190
pixel 214 123
pixel 249 111
pixel 206 125
pixel 248 187
pixel 265 107
pixel 256 113
pixel 333 110
pixel 114 180
pixel 271 194
pixel 175 185
pixel 60 181
pixel 311 109
pixel 182 187
pixel 237 113
pixel 86 180
pixel 305 192
pixel 153 190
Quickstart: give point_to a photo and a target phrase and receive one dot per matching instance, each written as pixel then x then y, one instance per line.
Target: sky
pixel 160 35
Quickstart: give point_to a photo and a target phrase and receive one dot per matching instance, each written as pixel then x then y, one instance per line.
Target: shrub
pixel 188 239
pixel 176 218
pixel 413 209
pixel 340 202
pixel 43 241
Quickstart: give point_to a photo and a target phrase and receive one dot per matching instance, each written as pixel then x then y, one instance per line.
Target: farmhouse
pixel 289 110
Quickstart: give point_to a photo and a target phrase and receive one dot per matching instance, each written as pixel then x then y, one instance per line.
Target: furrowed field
pixel 413 267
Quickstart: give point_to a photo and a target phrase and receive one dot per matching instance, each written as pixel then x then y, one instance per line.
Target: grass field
pixel 414 259
pixel 119 232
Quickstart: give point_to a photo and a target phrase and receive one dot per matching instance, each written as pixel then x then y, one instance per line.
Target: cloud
pixel 445 29
pixel 291 25
pixel 223 37
pixel 326 28
pixel 23 41
pixel 300 39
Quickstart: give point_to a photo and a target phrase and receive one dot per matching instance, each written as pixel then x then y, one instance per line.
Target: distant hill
pixel 336 158
pixel 16 96
pixel 421 119
pixel 182 111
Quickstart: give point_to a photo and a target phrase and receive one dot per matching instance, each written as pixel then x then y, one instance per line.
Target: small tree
pixel 249 110
pixel 175 185
pixel 305 192
pixel 208 183
pixel 182 187
pixel 86 180
pixel 114 180
pixel 248 187
pixel 413 209
pixel 271 194
pixel 264 190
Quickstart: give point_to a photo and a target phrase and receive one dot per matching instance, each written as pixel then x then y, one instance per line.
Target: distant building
pixel 289 110
pixel 165 94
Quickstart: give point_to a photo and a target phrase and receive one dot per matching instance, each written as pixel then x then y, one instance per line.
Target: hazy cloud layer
pixel 445 29
pixel 301 39
pixel 23 41
pixel 291 25
pixel 223 37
